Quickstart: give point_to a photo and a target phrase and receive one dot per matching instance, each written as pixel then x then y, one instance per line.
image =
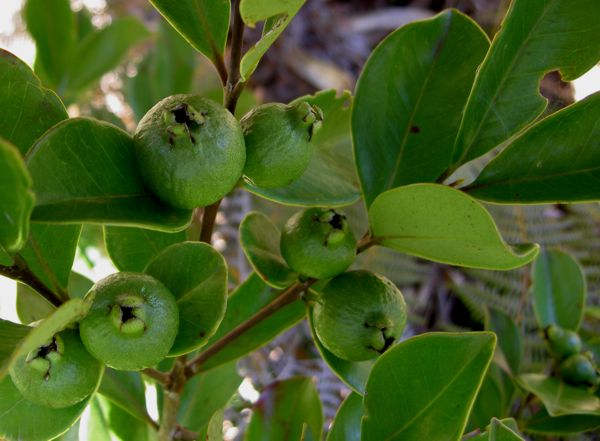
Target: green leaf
pixel 556 160
pixel 126 390
pixel 277 14
pixel 109 422
pixel 509 423
pixel 259 239
pixel 16 198
pixel 31 306
pixel 493 400
pixel 101 52
pixel 251 296
pixel 330 179
pixel 509 349
pixel 542 423
pixel 5 258
pixel 79 285
pixel 536 37
pixel 407 114
pixel 11 335
pixel 49 253
pixel 353 373
pixel 27 109
pixel 203 23
pixel 559 290
pixel 560 398
pixel 131 249
pixel 54 32
pixel 346 426
pixel 23 420
pixel 84 170
pixel 423 388
pixel 206 394
pixel 287 410
pixel 196 274
pixel 445 225
pixel 500 432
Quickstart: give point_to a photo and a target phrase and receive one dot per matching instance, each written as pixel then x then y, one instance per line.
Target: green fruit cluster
pixel 575 367
pixel 359 315
pixel 318 243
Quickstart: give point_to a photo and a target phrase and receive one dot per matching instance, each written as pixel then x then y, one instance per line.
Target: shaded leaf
pixel 501 432
pixel 509 348
pixel 84 170
pixel 556 160
pixel 423 388
pixel 11 335
pixel 545 424
pixel 493 400
pixel 126 390
pixel 445 225
pixel 536 37
pixel 31 306
pixel 559 290
pixel 409 101
pixel 330 179
pixel 109 422
pixel 259 239
pixel 27 109
pixel 16 198
pixel 346 426
pixel 196 274
pixel 287 411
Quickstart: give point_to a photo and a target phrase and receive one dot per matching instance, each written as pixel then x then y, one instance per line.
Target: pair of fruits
pixel 358 314
pixel 191 151
pixel 576 367
pixel 132 324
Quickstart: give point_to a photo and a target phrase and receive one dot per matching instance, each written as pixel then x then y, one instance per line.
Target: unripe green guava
pixel 579 369
pixel 562 342
pixel 59 373
pixel 318 243
pixel 278 142
pixel 132 323
pixel 190 151
pixel 359 315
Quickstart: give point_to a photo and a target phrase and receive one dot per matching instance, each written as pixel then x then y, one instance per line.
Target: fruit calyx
pixel 384 340
pixel 42 358
pixel 128 314
pixel 338 224
pixel 181 122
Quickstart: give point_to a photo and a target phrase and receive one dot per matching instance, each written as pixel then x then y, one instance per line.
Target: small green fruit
pixel 562 342
pixel 579 369
pixel 278 142
pixel 132 323
pixel 190 151
pixel 59 373
pixel 318 243
pixel 359 315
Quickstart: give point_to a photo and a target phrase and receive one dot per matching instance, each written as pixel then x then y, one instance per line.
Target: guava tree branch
pixel 234 87
pixel 21 272
pixel 208 221
pixel 169 428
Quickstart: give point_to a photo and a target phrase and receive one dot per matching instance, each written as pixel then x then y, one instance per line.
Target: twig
pixel 233 88
pixel 20 271
pixel 288 296
pixel 162 378
pixel 208 221
pixel 172 397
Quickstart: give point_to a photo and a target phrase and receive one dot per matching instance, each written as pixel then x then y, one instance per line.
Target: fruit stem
pixel 234 87
pixel 286 297
pixel 21 272
pixel 162 378
pixel 208 221
pixel 169 429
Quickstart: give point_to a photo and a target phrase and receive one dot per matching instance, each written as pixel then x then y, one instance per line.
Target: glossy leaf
pixel 445 225
pixel 203 23
pixel 131 249
pixel 31 306
pixel 84 170
pixel 542 423
pixel 346 426
pixel 49 253
pixel 330 179
pixel 560 398
pixel 423 388
pixel 16 198
pixel 500 432
pixel 101 52
pixel 126 390
pixel 54 32
pixel 537 36
pixel 509 350
pixel 287 410
pixel 409 101
pixel 243 303
pixel 557 160
pixel 206 394
pixel 196 274
pixel 559 290
pixel 16 414
pixel 259 239
pixel 11 335
pixel 27 109
pixel 353 373
pixel 277 14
